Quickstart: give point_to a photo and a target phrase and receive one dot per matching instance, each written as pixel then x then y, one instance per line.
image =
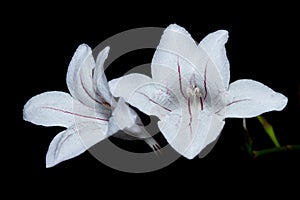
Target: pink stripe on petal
pixel 76 114
pixel 154 101
pixel 179 77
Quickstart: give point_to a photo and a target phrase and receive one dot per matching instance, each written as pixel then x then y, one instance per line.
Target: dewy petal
pixel 214 45
pixel 74 141
pixel 100 81
pixel 149 97
pixel 187 139
pixel 59 109
pixel 248 98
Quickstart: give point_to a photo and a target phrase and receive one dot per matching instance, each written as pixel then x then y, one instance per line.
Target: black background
pixel 263 42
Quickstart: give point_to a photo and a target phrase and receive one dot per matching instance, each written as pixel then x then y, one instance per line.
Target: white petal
pixel 126 85
pixel 123 116
pixel 82 57
pixel 179 63
pixel 64 146
pixel 80 77
pixel 38 109
pixel 100 81
pixel 59 109
pixel 214 45
pixel 126 119
pixel 74 141
pixel 177 46
pixel 139 91
pixel 187 139
pixel 248 98
pixel 212 136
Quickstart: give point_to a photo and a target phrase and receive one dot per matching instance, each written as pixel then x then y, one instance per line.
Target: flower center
pixel 193 92
pixel 193 95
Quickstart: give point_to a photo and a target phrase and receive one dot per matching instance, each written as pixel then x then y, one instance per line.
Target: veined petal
pixel 176 47
pixel 38 109
pixel 59 109
pixel 65 145
pixel 82 57
pixel 187 133
pixel 214 45
pixel 248 98
pixel 74 141
pixel 141 92
pixel 179 63
pixel 100 81
pixel 80 78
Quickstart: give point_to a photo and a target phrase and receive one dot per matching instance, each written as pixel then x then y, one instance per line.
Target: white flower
pixel 190 93
pixel 89 112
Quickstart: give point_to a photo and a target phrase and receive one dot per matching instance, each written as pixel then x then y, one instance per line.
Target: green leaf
pixel 268 129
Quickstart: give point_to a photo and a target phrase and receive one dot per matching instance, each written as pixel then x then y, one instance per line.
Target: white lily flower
pixel 190 92
pixel 89 112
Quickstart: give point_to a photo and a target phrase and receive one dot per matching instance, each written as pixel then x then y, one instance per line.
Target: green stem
pixel 276 149
pixel 247 139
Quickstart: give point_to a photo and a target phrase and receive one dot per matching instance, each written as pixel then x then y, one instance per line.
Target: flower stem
pixel 247 139
pixel 275 149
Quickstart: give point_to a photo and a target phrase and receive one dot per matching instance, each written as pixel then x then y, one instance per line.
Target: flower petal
pixel 187 137
pixel 176 47
pixel 65 145
pixel 80 78
pixel 248 98
pixel 126 119
pixel 214 45
pixel 59 109
pixel 82 57
pixel 212 136
pixel 139 91
pixel 37 109
pixel 179 63
pixel 74 141
pixel 123 117
pixel 100 81
pixel 126 85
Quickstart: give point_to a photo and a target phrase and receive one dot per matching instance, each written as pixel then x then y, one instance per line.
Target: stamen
pixel 193 80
